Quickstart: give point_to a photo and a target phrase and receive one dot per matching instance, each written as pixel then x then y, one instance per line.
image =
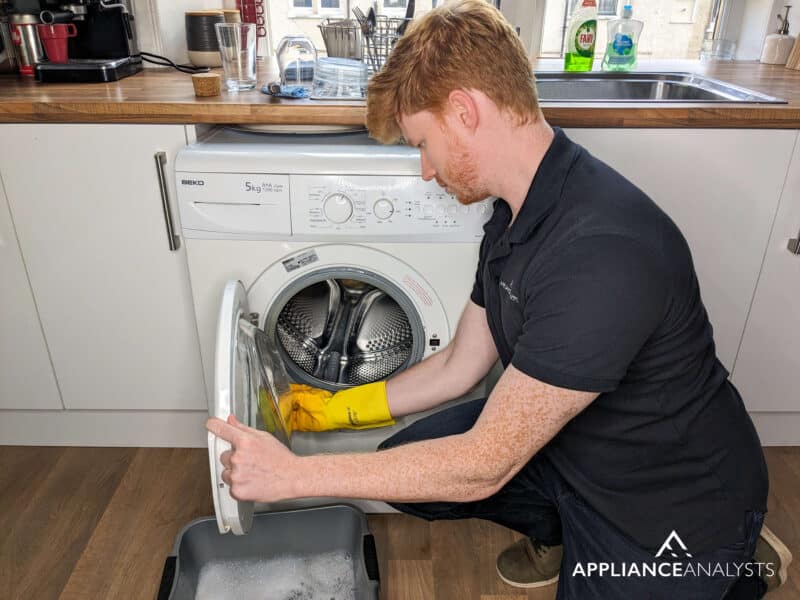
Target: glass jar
pixel 296 59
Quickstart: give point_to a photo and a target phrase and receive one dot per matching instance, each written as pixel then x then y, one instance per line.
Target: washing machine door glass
pixel 251 384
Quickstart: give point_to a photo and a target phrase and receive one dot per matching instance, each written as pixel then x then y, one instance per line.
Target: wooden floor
pixel 88 523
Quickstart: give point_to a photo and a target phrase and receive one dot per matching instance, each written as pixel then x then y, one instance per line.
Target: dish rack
pixel 379 39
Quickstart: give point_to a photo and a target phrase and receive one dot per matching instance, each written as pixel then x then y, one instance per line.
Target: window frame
pixel 607 13
pixel 316 11
pixel 392 11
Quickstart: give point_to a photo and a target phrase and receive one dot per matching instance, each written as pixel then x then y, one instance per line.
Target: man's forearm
pixel 423 386
pixel 449 373
pixel 450 469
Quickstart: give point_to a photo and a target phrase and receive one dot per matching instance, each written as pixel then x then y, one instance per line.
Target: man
pixel 613 435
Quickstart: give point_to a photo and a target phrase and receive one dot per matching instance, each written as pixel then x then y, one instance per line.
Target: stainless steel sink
pixel 642 87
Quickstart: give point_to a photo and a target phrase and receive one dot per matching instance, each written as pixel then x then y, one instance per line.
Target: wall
pixel 750 21
pixel 169 14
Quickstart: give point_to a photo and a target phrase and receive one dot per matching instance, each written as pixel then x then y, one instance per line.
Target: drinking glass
pixel 237 47
pixel 296 59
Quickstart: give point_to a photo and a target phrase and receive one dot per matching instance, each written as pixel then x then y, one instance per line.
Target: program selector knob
pixel 383 209
pixel 338 208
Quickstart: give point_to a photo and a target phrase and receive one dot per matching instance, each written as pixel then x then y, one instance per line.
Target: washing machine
pixel 350 267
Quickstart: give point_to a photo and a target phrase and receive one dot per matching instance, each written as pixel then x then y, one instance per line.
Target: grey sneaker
pixel 771 550
pixel 529 564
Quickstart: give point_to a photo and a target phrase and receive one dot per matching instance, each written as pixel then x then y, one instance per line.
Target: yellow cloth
pixel 360 407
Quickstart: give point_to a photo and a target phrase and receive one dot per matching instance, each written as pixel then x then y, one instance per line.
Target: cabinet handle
pixel 794 245
pixel 161 161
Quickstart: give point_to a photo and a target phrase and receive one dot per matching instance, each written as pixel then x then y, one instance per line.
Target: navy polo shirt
pixel 592 288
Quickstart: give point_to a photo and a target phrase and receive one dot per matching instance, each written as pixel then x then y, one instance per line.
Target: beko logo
pixel 192 182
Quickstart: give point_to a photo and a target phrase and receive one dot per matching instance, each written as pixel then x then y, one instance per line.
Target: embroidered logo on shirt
pixel 508 289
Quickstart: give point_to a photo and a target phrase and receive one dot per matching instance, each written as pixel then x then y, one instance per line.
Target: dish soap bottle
pixel 623 42
pixel 581 37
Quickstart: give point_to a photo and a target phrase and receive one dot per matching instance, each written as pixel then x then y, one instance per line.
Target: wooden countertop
pixel 166 96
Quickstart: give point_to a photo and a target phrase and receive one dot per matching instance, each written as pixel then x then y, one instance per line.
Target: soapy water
pixel 325 576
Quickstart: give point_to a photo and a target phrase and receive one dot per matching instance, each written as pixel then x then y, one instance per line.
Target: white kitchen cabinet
pixel 26 376
pixel 114 300
pixel 768 368
pixel 721 187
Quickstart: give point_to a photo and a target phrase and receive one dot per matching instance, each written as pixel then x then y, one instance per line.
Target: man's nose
pixel 428 172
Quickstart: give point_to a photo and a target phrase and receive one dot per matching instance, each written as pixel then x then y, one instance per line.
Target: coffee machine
pixel 105 47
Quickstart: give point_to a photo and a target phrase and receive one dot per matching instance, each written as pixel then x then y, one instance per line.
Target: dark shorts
pixel 598 558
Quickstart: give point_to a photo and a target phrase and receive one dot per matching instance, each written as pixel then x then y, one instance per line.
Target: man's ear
pixel 463 109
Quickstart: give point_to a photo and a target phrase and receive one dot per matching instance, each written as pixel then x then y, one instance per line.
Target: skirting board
pixel 169 429
pixel 186 429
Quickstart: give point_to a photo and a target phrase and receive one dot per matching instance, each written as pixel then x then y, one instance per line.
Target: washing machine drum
pixel 345 332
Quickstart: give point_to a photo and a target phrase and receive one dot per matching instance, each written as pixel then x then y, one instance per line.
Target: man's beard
pixel 461 174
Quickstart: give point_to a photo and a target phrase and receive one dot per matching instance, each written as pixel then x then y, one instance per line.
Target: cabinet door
pixel 768 368
pixel 114 300
pixel 721 187
pixel 26 376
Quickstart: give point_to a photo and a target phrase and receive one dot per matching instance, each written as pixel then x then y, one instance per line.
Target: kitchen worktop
pixel 166 96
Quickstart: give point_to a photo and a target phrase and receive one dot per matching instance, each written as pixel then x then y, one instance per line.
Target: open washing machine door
pixel 250 382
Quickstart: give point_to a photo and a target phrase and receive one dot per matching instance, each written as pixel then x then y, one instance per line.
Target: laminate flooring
pixel 97 523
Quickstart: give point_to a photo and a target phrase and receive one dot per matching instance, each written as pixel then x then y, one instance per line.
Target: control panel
pixel 355 205
pixel 280 206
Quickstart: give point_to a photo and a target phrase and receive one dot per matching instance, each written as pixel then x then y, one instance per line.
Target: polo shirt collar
pixel 545 189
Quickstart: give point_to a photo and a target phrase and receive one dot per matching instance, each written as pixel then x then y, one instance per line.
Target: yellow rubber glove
pixel 361 407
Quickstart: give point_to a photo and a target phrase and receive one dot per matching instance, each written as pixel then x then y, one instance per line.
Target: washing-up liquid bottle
pixel 623 42
pixel 581 36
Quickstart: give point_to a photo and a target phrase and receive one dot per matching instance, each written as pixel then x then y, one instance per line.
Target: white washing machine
pixel 352 265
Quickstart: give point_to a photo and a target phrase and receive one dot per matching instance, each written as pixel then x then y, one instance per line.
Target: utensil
pixel 237 48
pixel 336 77
pixel 367 29
pixel 342 38
pixel 54 38
pixel 296 59
pixel 25 36
pixel 201 37
pixel 409 15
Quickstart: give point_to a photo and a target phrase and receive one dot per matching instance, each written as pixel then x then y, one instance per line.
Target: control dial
pixel 383 209
pixel 338 208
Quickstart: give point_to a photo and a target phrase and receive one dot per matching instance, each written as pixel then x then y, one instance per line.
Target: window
pixel 301 7
pixel 315 8
pixel 676 33
pixel 607 8
pixel 395 8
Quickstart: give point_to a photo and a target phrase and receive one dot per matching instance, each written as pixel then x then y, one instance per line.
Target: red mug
pixel 54 38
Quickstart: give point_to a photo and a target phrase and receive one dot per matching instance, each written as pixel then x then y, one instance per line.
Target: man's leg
pixel 523 504
pixel 538 503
